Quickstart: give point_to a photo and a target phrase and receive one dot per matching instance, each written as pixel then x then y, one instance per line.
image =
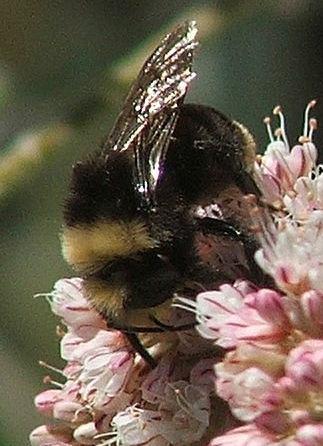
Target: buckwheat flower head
pixel 252 371
pixel 272 368
pixel 280 168
pixel 108 395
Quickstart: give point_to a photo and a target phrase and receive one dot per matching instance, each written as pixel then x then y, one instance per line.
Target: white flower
pixel 181 418
pixel 293 255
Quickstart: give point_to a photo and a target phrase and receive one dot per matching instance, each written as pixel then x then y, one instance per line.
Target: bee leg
pixel 221 227
pixel 139 348
pixel 167 327
pixel 135 328
pixel 217 226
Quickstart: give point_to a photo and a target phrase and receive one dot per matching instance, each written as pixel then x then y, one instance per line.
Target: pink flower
pixel 307 196
pixel 137 426
pixel 261 361
pixel 71 412
pixel 248 435
pixel 280 167
pixel 110 392
pixel 182 417
pixel 230 317
pixel 215 309
pixel 67 301
pixel 310 435
pixel 185 413
pixel 46 400
pixel 203 374
pixel 270 306
pixel 86 433
pixel 294 256
pixel 99 367
pixel 251 435
pixel 278 385
pixel 245 391
pixel 311 319
pixel 153 387
pixel 304 366
pixel 293 403
pixel 261 319
pixel 51 436
pixel 278 423
pixel 104 376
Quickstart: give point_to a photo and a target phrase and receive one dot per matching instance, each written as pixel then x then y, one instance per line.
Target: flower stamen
pixel 310 105
pixel 181 400
pixel 262 226
pixel 267 122
pixel 184 303
pixel 278 134
pixel 109 438
pixel 278 111
pixel 313 127
pixel 48 380
pixel 50 367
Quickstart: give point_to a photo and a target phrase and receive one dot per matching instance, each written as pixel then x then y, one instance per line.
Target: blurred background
pixel 64 68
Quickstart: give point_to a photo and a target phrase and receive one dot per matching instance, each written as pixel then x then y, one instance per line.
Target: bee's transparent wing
pixel 149 153
pixel 148 117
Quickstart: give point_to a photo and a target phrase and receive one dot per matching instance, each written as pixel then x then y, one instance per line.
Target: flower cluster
pixel 109 395
pixel 262 385
pixel 272 372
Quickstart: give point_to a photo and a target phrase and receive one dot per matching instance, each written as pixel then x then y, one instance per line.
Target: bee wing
pixel 147 120
pixel 149 152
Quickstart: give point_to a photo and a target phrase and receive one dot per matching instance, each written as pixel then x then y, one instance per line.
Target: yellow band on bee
pixel 86 246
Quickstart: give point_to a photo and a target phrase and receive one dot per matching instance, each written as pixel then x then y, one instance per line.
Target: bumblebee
pixel 160 207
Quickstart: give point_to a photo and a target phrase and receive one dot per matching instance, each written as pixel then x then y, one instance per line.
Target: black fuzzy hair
pixel 207 153
pixel 101 188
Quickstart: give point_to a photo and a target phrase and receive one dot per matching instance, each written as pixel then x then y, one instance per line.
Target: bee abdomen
pixel 87 247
